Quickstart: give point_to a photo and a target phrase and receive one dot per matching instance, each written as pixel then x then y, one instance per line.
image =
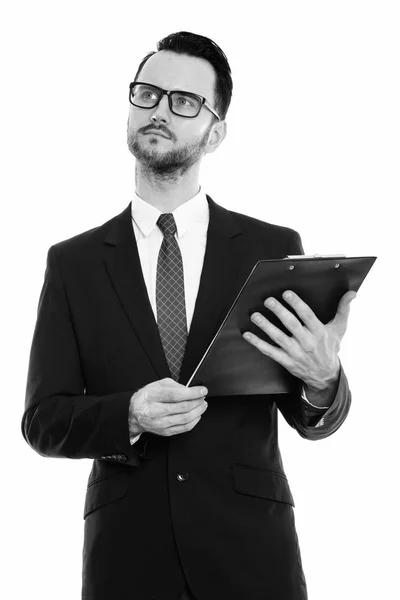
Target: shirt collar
pixel 186 215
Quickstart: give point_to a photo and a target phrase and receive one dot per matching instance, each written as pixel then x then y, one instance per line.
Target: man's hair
pixel 184 42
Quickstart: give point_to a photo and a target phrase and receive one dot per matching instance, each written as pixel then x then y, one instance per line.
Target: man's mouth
pixel 156 132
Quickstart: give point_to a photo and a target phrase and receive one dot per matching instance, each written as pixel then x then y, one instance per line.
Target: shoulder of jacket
pixel 83 240
pixel 253 225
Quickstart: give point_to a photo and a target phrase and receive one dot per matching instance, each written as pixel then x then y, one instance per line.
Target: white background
pixel 313 144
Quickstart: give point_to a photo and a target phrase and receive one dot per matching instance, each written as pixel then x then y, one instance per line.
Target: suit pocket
pixel 104 491
pixel 262 484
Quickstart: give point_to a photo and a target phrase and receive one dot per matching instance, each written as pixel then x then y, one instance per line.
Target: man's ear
pixel 218 134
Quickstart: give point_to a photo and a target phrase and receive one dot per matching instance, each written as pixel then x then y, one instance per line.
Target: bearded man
pixel 187 497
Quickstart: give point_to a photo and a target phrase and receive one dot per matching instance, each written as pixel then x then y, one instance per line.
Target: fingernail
pixel 287 295
pixel 204 391
pixel 270 302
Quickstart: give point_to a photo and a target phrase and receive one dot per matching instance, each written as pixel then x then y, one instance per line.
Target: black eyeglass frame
pixel 168 93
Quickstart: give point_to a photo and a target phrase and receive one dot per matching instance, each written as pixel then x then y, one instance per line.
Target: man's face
pixel 180 141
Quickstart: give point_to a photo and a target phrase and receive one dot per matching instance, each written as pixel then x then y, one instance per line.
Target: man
pixel 185 499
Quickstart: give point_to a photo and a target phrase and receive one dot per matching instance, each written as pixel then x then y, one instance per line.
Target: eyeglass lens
pixel 147 96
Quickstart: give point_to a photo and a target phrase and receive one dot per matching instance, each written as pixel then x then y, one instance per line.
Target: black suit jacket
pixel 226 524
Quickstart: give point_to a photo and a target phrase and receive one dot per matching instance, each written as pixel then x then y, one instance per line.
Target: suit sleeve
pixel 60 420
pixel 313 423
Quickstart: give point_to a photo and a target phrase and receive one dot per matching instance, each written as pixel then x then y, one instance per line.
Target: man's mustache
pixel 160 128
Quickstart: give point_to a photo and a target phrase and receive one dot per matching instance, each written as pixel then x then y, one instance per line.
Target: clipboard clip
pixel 292 256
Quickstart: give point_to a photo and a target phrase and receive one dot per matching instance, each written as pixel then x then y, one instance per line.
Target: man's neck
pixel 167 195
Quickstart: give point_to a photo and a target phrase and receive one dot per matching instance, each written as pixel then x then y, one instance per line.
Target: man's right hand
pixel 166 407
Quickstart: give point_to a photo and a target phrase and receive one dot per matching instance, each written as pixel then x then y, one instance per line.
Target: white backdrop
pixel 313 144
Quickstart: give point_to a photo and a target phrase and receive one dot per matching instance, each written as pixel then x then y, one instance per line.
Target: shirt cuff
pixel 304 397
pixel 321 422
pixel 134 438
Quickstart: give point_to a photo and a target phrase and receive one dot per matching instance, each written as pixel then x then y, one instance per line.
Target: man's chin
pixel 148 155
pixel 161 159
pixel 157 159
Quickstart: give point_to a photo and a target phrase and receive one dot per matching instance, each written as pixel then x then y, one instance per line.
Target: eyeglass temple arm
pixel 212 110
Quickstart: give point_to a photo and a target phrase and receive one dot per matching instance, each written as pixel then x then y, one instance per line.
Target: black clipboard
pixel 230 365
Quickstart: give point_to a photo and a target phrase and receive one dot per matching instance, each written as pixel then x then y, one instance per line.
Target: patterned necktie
pixel 170 296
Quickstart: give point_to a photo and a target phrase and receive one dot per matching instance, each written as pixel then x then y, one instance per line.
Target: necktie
pixel 170 296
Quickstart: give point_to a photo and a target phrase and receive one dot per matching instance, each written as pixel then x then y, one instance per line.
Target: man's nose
pixel 161 111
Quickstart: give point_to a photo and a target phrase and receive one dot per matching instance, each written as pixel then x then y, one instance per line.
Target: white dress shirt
pixel 192 219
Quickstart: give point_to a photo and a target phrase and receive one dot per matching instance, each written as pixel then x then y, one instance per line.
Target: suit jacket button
pixel 182 476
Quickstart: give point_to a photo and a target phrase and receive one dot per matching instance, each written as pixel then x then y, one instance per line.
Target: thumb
pixel 343 310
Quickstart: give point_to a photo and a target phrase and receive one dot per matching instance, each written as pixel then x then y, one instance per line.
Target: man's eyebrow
pixel 174 89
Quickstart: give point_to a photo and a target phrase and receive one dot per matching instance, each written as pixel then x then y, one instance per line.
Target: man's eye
pixel 183 101
pixel 148 95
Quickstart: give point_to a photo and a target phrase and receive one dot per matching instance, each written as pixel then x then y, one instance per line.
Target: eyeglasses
pixel 183 104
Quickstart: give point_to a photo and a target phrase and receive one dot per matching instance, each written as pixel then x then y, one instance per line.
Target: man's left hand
pixel 311 353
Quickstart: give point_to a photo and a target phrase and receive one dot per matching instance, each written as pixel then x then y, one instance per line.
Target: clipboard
pixel 232 366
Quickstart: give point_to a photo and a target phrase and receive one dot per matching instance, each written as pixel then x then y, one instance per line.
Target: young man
pixel 185 499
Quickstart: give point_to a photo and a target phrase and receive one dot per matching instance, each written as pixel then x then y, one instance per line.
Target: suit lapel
pixel 123 266
pixel 218 284
pixel 217 289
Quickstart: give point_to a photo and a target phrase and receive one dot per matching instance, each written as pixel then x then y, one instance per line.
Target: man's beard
pixel 167 165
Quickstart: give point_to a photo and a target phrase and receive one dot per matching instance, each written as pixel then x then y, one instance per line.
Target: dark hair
pixel 192 44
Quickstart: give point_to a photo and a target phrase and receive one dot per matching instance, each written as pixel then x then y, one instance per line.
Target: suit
pixel 211 507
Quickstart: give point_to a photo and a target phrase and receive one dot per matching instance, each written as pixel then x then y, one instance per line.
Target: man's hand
pixel 311 353
pixel 166 408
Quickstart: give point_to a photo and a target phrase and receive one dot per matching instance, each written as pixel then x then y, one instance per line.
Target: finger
pixel 195 411
pixel 277 354
pixel 177 408
pixel 181 393
pixel 178 429
pixel 343 309
pixel 180 420
pixel 303 310
pixel 289 320
pixel 345 302
pixel 278 336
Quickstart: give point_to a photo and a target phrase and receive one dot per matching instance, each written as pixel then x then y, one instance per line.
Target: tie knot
pixel 166 223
